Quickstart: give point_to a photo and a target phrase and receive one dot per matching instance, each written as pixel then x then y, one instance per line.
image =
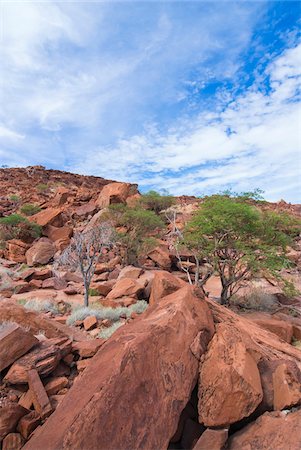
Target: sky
pixel 181 97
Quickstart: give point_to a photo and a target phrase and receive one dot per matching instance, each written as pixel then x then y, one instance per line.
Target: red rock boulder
pixel 113 193
pixel 152 359
pixel 277 431
pixel 229 385
pixel 40 253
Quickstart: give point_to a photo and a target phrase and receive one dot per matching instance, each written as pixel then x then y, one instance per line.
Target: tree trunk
pixel 86 298
pixel 224 296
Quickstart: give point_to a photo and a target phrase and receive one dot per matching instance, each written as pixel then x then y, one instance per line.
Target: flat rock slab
pixel 14 343
pixel 133 391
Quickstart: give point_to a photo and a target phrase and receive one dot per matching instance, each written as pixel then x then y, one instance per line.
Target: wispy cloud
pixel 124 90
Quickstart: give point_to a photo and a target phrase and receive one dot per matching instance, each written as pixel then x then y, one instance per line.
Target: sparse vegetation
pixel 16 226
pixel 258 300
pixel 41 187
pixel 103 312
pixel 29 209
pixel 106 333
pixel 41 306
pixel 15 198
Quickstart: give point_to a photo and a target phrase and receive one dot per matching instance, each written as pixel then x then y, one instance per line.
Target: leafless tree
pixel 85 250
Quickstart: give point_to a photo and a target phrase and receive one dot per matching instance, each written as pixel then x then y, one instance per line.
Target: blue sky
pixel 191 97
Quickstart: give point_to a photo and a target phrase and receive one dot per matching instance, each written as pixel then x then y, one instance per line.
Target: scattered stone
pixel 87 349
pixel 90 322
pixel 26 400
pixel 44 358
pixel 10 414
pixel 14 343
pixel 13 441
pixel 39 396
pixel 55 385
pixel 28 424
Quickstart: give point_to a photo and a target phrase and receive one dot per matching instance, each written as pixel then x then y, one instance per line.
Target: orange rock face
pixel 277 431
pixel 229 385
pixel 157 376
pixel 113 193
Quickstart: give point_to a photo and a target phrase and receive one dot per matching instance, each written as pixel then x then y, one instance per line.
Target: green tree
pixel 156 202
pixel 134 226
pixel 237 240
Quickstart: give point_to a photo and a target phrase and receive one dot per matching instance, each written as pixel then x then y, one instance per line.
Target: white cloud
pixel 263 151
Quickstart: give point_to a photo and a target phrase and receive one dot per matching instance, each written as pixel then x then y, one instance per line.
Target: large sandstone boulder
pixel 164 283
pixel 40 253
pixel 49 216
pixel 126 287
pixel 58 233
pixel 287 386
pixel 113 193
pixel 277 431
pixel 229 384
pixel 145 368
pixel 161 257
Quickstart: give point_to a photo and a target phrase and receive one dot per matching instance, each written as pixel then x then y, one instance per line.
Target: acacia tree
pixel 133 226
pixel 84 252
pixel 237 239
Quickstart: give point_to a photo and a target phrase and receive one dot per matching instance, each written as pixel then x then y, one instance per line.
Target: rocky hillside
pixel 152 362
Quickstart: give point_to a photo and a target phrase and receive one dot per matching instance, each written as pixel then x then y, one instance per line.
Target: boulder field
pixel 188 374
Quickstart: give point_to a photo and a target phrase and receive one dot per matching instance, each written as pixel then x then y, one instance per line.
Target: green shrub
pixel 16 226
pixel 14 198
pixel 156 202
pixel 289 289
pixel 42 187
pixel 29 209
pixel 93 292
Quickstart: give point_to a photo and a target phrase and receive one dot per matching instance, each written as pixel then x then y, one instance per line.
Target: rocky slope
pixel 181 372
